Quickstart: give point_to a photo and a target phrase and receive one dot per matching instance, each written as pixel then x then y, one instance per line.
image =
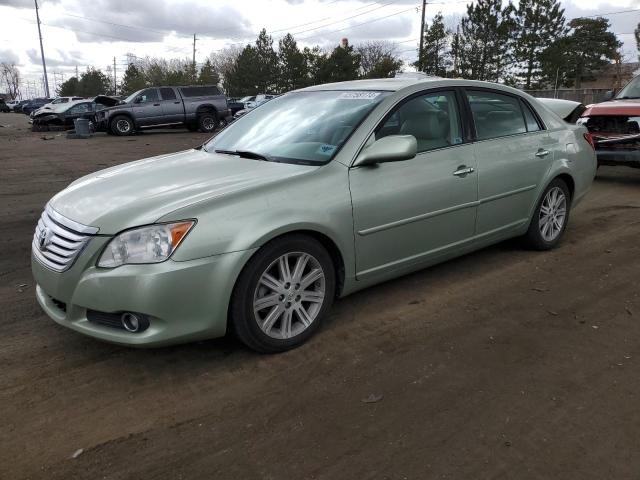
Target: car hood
pixel 141 192
pixel 614 107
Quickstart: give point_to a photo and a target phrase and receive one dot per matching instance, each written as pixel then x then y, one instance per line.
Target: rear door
pixel 513 152
pixel 172 107
pixel 147 109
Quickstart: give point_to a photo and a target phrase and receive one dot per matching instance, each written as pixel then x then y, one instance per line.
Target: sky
pixel 80 33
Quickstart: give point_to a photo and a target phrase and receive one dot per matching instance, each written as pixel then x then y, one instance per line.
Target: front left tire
pixel 283 294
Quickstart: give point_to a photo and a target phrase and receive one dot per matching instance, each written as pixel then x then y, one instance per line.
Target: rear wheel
pixel 283 294
pixel 207 122
pixel 122 126
pixel 550 217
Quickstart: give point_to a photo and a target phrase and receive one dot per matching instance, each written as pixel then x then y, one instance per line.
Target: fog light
pixel 133 322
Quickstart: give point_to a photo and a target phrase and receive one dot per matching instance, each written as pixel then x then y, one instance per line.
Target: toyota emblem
pixel 43 239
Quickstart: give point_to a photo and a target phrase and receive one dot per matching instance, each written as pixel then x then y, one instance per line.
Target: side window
pixel 147 96
pixel 167 94
pixel 432 118
pixel 530 118
pixel 81 108
pixel 495 114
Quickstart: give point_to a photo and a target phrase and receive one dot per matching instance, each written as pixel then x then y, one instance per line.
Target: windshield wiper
pixel 245 154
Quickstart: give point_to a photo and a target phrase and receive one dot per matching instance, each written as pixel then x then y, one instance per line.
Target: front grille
pixel 58 241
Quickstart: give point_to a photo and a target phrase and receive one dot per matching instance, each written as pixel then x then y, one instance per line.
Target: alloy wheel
pixel 289 295
pixel 123 126
pixel 553 213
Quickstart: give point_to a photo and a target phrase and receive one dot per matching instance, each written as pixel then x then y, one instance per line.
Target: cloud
pixel 9 56
pixel 59 58
pixel 24 3
pixel 152 20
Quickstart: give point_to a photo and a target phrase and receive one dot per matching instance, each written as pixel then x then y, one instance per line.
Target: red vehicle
pixel 615 126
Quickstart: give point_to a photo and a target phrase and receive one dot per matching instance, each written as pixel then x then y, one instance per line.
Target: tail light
pixel 589 138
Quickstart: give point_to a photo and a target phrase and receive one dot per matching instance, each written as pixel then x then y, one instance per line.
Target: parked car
pixel 62 115
pixel 615 126
pixel 253 104
pixel 34 104
pixel 55 101
pixel 316 194
pixel 196 107
pixel 18 107
pixel 4 107
pixel 12 104
pixel 235 105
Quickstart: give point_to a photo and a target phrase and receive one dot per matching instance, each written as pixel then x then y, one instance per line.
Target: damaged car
pixel 62 116
pixel 615 126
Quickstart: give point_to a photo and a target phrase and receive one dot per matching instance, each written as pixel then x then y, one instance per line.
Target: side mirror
pixel 608 95
pixel 393 148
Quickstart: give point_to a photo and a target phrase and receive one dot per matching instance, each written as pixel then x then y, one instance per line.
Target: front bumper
pixel 185 301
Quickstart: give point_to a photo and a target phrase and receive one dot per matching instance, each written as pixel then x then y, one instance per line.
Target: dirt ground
pixel 503 364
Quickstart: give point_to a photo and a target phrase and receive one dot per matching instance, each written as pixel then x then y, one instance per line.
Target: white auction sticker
pixel 358 95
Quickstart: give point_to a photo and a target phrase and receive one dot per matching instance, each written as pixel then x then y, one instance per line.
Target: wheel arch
pixel 336 254
pixel 114 115
pixel 206 108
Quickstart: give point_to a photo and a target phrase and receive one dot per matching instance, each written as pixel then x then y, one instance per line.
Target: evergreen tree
pixel 208 74
pixel 484 40
pixel 69 88
pixel 341 65
pixel 93 82
pixel 266 63
pixel 132 81
pixel 314 59
pixel 588 48
pixel 538 24
pixel 385 67
pixel 636 34
pixel 292 65
pixel 435 55
pixel 243 76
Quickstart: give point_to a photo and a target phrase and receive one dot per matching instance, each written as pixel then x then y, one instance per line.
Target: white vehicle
pixel 253 102
pixel 56 101
pixel 12 104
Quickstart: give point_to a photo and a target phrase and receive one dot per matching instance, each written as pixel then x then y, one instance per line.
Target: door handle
pixel 542 153
pixel 463 171
pixel 177 103
pixel 156 104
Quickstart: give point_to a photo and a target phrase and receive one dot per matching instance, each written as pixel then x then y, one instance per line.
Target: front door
pixel 410 212
pixel 147 109
pixel 513 153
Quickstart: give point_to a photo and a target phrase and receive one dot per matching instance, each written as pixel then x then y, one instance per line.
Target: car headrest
pixel 426 127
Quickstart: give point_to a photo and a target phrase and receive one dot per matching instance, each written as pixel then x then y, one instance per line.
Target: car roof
pixel 410 82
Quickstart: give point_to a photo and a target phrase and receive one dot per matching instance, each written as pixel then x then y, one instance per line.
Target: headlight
pixel 152 244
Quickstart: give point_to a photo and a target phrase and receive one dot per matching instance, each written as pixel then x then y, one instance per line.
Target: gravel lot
pixel 505 363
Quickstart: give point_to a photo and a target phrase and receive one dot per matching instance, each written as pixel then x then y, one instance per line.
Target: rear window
pixel 199 91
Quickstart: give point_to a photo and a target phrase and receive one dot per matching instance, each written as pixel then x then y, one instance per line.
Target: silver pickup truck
pixel 201 107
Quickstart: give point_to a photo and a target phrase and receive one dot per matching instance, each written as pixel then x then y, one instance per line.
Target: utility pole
pixel 44 65
pixel 420 66
pixel 115 91
pixel 77 72
pixel 194 57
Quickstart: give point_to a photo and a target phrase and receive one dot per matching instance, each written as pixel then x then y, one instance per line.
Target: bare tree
pixel 224 62
pixel 373 53
pixel 10 76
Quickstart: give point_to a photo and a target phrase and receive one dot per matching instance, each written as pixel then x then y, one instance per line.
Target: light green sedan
pixel 314 195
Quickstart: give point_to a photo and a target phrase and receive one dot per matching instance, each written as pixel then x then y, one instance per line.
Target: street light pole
pixel 44 64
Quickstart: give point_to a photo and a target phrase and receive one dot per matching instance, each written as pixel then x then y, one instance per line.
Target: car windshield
pixel 632 90
pixel 130 98
pixel 299 127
